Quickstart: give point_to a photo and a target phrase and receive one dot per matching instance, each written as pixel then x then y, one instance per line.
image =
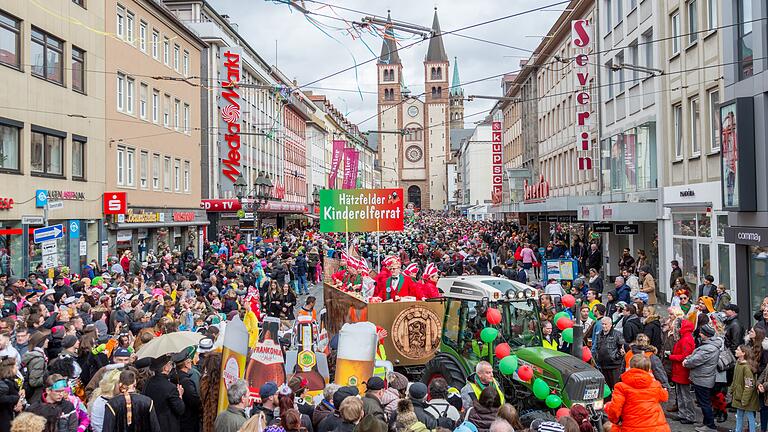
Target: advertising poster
pixel 233 355
pixel 729 149
pixel 361 210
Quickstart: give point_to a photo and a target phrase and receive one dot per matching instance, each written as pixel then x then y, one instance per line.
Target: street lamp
pixel 262 192
pixel 240 186
pixel 316 197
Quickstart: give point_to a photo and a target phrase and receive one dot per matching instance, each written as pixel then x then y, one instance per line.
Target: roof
pixel 456 82
pixel 436 51
pixel 459 135
pixel 389 45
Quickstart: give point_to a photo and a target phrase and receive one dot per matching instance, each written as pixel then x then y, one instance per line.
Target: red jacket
pixel 408 288
pixel 682 349
pixel 636 403
pixel 429 289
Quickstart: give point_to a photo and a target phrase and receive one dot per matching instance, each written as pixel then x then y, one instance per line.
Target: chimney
pixel 523 63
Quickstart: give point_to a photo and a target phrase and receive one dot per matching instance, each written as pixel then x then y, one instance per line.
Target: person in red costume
pixel 396 286
pixel 429 286
pixel 382 275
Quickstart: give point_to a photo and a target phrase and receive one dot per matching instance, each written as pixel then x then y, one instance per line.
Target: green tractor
pixel 467 298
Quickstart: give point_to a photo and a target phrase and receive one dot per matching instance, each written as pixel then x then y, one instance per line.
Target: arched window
pixel 434 91
pixel 439 92
pixel 439 73
pixel 432 73
pixel 391 74
pixel 413 132
pixel 414 196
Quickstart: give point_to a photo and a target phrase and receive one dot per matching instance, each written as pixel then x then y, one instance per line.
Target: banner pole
pixel 378 245
pixel 346 230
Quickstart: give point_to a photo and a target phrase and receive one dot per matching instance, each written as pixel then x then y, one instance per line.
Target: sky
pixel 305 53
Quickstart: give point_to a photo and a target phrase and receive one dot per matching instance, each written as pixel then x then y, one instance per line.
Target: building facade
pixel 52 131
pixel 414 138
pixel 743 131
pixel 152 128
pixel 693 220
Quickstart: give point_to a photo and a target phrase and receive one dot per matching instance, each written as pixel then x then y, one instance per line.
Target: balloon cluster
pixel 565 324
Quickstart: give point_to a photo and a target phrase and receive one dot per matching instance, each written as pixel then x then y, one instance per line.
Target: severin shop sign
pixel 581 40
pixel 229 107
pixel 537 191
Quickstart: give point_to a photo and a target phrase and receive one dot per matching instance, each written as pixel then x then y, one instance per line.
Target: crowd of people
pixel 68 347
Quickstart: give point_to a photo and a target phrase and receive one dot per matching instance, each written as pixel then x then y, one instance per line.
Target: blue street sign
pixel 52 232
pixel 74 229
pixel 41 198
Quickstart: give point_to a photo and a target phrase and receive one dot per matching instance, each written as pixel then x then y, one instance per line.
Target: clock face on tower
pixel 413 111
pixel 413 153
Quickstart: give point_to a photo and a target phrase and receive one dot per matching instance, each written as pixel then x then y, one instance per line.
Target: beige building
pixel 51 129
pixel 153 127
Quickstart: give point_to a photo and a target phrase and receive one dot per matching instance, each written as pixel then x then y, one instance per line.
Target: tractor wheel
pixel 529 416
pixel 443 366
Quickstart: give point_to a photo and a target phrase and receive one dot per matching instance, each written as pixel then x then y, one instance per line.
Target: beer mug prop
pixel 356 353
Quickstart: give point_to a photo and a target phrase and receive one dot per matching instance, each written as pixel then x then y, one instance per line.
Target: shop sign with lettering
pixel 536 192
pixel 56 195
pixel 183 216
pixel 6 203
pixel 581 41
pixel 141 217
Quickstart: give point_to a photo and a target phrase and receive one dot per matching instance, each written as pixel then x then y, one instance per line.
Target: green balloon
pixel 540 388
pixel 508 365
pixel 591 315
pixel 489 334
pixel 606 391
pixel 568 335
pixel 559 315
pixel 553 401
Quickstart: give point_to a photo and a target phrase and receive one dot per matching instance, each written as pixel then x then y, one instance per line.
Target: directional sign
pixel 52 232
pixel 32 220
pixel 55 205
pixel 41 198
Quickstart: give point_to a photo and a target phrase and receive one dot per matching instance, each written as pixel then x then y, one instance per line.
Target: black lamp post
pixel 259 195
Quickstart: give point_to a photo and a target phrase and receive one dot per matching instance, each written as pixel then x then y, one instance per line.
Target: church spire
pixel 456 89
pixel 389 45
pixel 436 51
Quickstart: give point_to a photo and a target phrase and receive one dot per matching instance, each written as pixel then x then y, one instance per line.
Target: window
pixel 176 114
pixel 46 56
pixel 143 36
pixel 156 171
pixel 176 57
pixel 632 4
pixel 129 95
pixel 129 27
pixel 143 169
pixel 695 126
pixel 714 126
pixel 167 111
pixel 186 119
pixel 78 158
pixel 47 154
pixel 129 156
pixel 78 69
pixel 177 175
pixel 648 48
pixel 619 11
pixel 677 115
pixel 675 32
pixel 634 59
pixel 693 22
pixel 609 87
pixel 167 173
pixel 9 147
pixel 155 106
pixel 166 50
pixel 120 91
pixel 120 25
pixel 120 166
pixel 711 14
pixel 185 63
pixel 10 40
pixel 744 42
pixel 143 95
pixel 608 16
pixel 155 44
pixel 620 71
pixel 187 176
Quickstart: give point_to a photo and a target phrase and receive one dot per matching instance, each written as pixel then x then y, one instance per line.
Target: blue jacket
pixel 622 294
pixel 596 329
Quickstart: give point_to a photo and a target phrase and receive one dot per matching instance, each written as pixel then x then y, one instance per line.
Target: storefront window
pixel 758 275
pixel 36 251
pixel 631 158
pixel 684 253
pixel 722 222
pixel 705 225
pixel 684 224
pixel 11 254
pixel 724 265
pixel 704 262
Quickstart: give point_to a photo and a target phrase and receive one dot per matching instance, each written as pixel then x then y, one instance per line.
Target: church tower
pixel 389 101
pixel 436 120
pixel 456 98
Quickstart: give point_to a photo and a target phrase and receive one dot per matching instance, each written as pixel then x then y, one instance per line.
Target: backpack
pixel 442 417
pixel 725 359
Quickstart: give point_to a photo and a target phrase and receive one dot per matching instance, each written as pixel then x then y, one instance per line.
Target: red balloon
pixel 502 350
pixel 586 354
pixel 562 412
pixel 525 373
pixel 564 323
pixel 568 300
pixel 493 316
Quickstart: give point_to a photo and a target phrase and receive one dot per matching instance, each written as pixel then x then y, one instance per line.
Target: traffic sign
pixel 50 261
pixel 49 247
pixel 32 220
pixel 41 198
pixel 74 229
pixel 52 232
pixel 55 205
